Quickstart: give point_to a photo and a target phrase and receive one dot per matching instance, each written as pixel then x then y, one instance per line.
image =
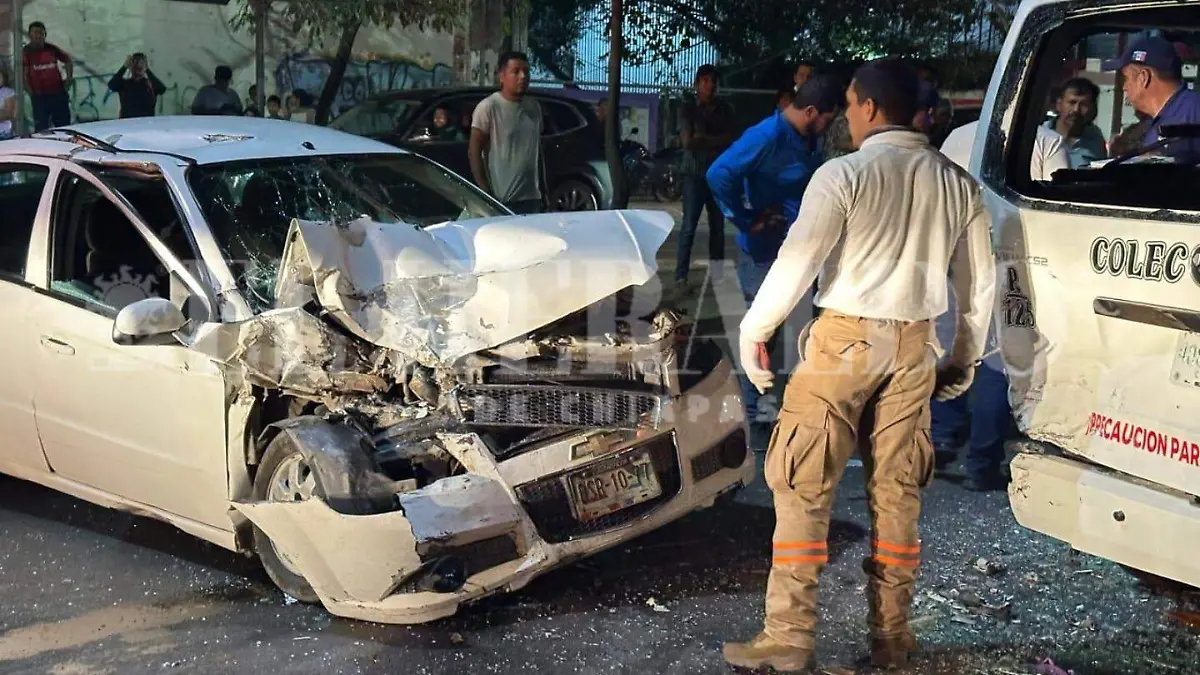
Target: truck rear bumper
pixel 1108 514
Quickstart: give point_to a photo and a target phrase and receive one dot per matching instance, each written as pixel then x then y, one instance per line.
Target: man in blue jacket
pixel 758 183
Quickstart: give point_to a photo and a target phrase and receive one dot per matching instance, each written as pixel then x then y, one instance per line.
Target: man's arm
pixel 818 228
pixel 68 63
pixel 475 149
pixel 687 130
pixel 481 131
pixel 727 176
pixel 197 102
pixel 117 83
pixel 1053 156
pixel 157 84
pixel 973 273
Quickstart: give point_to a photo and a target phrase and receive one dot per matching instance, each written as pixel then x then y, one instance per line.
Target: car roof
pixel 203 139
pixel 428 94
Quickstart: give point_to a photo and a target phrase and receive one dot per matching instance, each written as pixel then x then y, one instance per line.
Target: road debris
pixel 457 639
pixel 1048 667
pixel 654 604
pixel 989 567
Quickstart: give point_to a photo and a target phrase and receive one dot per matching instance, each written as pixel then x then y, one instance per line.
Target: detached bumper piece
pixel 549 506
pixel 1108 514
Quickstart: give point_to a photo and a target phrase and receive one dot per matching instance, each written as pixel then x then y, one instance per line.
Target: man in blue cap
pixel 1152 73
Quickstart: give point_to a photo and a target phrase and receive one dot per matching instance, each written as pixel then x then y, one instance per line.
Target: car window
pixel 558 118
pixel 376 117
pixel 460 109
pixel 21 187
pixel 1072 93
pixel 98 259
pixel 250 205
pixel 151 199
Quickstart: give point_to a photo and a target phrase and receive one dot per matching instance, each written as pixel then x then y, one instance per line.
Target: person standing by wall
pixel 139 93
pixel 218 98
pixel 758 183
pixel 44 83
pixel 877 225
pixel 706 129
pixel 505 149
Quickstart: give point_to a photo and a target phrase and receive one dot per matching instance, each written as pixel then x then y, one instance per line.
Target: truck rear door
pixel 1098 305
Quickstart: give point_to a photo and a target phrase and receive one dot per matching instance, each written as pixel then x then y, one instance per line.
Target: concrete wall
pixel 185 41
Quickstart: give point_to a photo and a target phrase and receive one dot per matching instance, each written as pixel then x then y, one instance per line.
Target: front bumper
pixel 357 565
pixel 1108 514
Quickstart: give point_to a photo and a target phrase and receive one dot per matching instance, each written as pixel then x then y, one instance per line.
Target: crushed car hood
pixel 441 292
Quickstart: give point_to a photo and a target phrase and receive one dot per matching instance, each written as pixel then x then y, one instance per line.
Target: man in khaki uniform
pixel 881 227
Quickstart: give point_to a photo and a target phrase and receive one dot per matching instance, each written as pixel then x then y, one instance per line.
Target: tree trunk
pixel 612 124
pixel 336 72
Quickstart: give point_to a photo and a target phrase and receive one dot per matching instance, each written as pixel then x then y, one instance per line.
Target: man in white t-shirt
pixel 1049 150
pixel 506 135
pixel 987 399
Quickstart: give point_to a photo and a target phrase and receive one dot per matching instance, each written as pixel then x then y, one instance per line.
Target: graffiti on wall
pixel 362 79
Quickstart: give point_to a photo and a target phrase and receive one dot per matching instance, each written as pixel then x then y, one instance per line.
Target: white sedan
pixel 347 360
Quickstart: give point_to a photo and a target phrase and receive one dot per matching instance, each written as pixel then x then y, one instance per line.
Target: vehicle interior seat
pixel 113 244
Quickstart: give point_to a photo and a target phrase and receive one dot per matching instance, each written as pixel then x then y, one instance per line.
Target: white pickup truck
pixel 1098 307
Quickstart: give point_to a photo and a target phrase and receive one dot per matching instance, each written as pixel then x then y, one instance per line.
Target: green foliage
pixel 323 18
pixel 750 33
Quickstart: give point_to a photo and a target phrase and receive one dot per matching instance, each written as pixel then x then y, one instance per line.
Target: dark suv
pixel 572 138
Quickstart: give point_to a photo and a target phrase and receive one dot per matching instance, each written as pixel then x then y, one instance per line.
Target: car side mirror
pixel 150 321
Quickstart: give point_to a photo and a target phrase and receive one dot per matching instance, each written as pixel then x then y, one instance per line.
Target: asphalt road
pixel 88 591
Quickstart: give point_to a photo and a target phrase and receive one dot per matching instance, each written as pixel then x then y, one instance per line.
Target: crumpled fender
pixel 342 461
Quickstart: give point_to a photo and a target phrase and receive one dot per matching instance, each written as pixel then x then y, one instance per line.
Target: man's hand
pixel 756 363
pixel 768 218
pixel 952 381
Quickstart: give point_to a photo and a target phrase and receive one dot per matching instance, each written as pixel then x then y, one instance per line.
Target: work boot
pixel 763 651
pixel 893 651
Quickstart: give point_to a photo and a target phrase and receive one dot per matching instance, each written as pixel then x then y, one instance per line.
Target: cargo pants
pixel 863 383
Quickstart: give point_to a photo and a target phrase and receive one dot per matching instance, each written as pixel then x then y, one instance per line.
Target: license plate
pixel 613 486
pixel 1185 369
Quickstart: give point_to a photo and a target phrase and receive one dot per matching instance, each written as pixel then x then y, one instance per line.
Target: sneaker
pixel 989 482
pixel 764 652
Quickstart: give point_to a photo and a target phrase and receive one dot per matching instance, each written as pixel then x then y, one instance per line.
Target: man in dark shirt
pixel 44 82
pixel 706 127
pixel 1153 85
pixel 139 93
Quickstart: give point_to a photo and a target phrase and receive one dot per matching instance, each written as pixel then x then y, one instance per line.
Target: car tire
pixel 282 456
pixel 574 195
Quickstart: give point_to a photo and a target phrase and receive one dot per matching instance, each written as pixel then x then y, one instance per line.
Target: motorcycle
pixel 652 175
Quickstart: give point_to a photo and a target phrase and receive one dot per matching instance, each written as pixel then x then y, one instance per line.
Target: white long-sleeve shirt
pixel 1049 150
pixel 882 227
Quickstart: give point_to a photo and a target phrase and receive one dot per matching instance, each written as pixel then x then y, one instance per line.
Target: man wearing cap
pixel 882 227
pixel 758 183
pixel 1152 79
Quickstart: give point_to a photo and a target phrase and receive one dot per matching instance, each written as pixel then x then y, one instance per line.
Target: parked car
pixel 341 357
pixel 572 139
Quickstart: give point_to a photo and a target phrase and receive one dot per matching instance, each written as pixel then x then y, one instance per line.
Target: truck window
pixel 1071 91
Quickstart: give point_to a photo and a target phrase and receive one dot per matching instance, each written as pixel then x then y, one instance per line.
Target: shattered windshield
pixel 250 205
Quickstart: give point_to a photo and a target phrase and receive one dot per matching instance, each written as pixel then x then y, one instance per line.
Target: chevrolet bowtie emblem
pixel 596 444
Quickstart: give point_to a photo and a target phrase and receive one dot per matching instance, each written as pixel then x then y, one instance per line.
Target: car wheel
pixel 283 476
pixel 669 188
pixel 573 195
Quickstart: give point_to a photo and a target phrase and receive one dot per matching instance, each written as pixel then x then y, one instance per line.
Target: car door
pixel 23 186
pixel 145 423
pixel 1099 288
pixel 450 154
